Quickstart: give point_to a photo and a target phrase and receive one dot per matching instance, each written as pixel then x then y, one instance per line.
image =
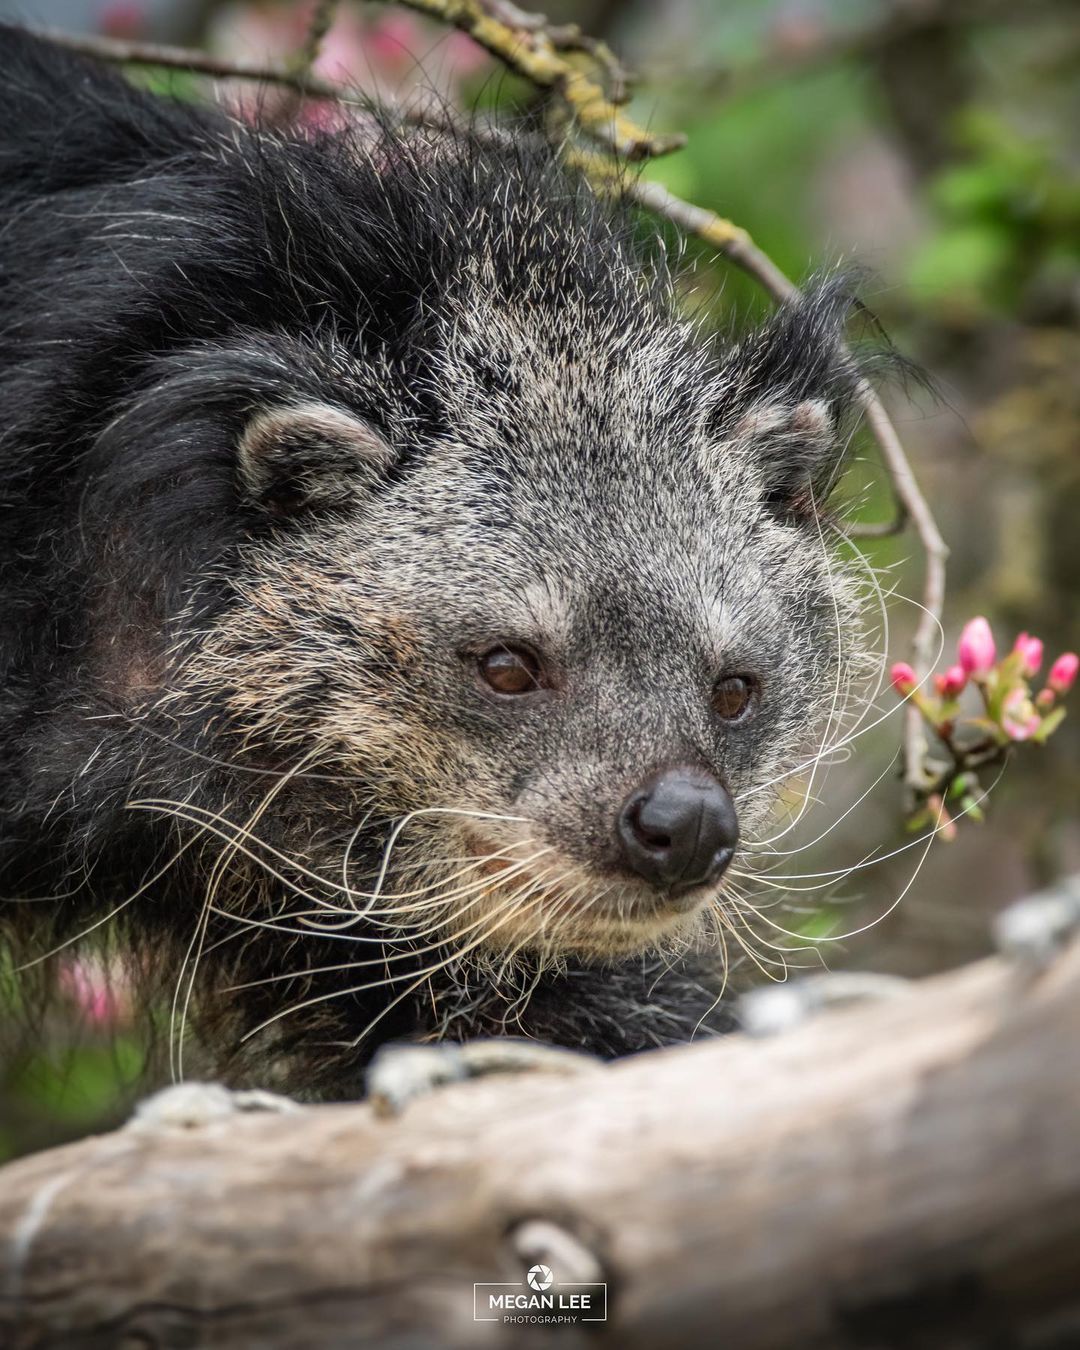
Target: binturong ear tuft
pixel 795 450
pixel 787 396
pixel 309 456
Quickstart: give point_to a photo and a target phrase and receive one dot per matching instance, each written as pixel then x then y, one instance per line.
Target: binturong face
pixel 551 657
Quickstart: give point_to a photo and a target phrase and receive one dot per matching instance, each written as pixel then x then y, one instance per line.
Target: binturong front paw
pixel 400 1072
pixel 188 1106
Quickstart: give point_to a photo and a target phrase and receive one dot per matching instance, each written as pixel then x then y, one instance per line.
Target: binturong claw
pixel 401 1072
pixel 187 1106
pixel 776 1008
pixel 1032 931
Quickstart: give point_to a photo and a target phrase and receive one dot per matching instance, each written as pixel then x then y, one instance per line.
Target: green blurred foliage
pixel 1006 214
pixel 78 1085
pixel 62 1073
pixel 721 168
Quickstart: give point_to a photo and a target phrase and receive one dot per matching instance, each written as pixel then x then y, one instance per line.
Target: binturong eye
pixel 512 671
pixel 733 697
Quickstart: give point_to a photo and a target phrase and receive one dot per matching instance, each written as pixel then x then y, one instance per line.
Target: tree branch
pixel 121 52
pixel 902 1171
pixel 320 23
pixel 527 45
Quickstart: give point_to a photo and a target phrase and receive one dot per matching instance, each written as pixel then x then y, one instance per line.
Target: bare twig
pixel 531 48
pixel 569 37
pixel 322 19
pixel 566 37
pixel 936 553
pixel 121 52
pixel 527 44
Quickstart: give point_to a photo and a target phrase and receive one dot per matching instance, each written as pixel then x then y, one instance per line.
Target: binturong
pixel 409 620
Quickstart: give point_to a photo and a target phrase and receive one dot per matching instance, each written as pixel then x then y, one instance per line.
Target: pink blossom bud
pixel 1018 715
pixel 903 678
pixel 1063 673
pixel 976 649
pixel 100 995
pixel 122 18
pixel 463 55
pixel 392 41
pixel 1031 651
pixel 1044 700
pixel 951 683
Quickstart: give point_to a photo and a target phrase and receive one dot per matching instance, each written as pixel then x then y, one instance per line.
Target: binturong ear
pixel 795 450
pixel 306 457
pixel 786 398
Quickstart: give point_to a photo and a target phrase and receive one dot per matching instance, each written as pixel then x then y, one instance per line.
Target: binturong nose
pixel 678 829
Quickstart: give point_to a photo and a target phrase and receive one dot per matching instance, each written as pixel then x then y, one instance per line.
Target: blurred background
pixel 931 142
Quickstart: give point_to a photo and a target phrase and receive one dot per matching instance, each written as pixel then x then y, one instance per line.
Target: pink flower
pixel 976 648
pixel 952 682
pixel 122 19
pixel 903 678
pixel 100 995
pixel 796 31
pixel 463 55
pixel 1031 650
pixel 1018 715
pixel 340 55
pixel 392 41
pixel 1063 672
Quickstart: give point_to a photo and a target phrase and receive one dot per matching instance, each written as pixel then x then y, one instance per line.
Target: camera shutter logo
pixel 540 1277
pixel 537 1298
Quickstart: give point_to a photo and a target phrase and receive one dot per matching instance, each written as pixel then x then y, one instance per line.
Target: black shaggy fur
pixel 167 274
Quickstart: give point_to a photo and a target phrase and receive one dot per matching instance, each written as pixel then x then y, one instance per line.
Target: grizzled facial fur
pixel 387 543
pixel 601 566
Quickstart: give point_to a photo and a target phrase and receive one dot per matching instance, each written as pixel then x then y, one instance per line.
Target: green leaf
pixel 1049 725
pixel 83 1084
pixel 961 264
pixel 973 189
pixel 819 925
pixel 970 808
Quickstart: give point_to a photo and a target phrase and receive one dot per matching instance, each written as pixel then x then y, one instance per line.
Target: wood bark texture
pixel 897 1174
